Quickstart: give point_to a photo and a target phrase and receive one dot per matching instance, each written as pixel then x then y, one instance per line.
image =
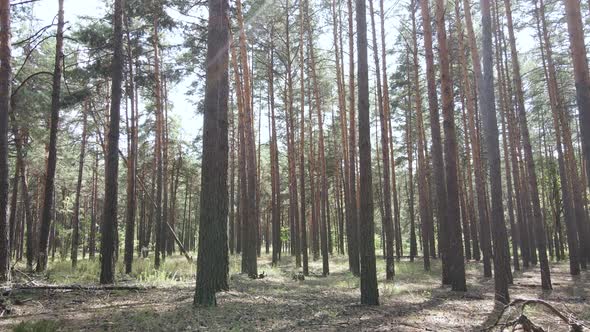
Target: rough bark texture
pixel 109 224
pixel 249 263
pixel 454 246
pixel 423 191
pixel 490 124
pixel 436 153
pixel 52 148
pixel 5 92
pixel 575 29
pixel 369 290
pixel 384 121
pixel 352 229
pixel 213 260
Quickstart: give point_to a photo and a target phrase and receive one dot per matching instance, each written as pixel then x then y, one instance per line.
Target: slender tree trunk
pixel 529 162
pixel 436 153
pixel 131 160
pixel 369 290
pixel 410 185
pixel 94 209
pixel 557 108
pixel 232 171
pixel 275 192
pixel 504 106
pixel 52 151
pixel 109 225
pixel 5 94
pixel 12 214
pixel 454 246
pixel 291 149
pixel 352 233
pixel 249 263
pixel 490 124
pixel 423 191
pixel 384 121
pixel 303 226
pixel 159 220
pixel 581 77
pixel 76 217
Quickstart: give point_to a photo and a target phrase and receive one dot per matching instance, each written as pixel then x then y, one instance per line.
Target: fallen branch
pixel 526 324
pixel 80 287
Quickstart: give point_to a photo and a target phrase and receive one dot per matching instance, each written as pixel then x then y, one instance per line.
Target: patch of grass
pixel 44 325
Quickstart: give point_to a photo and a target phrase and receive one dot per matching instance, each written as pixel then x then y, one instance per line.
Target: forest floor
pixel 415 301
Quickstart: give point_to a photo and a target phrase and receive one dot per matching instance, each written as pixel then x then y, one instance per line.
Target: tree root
pixel 523 323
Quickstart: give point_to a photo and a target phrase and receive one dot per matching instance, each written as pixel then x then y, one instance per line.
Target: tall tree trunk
pixel 323 190
pixel 109 225
pixel 575 29
pixel 159 220
pixel 504 100
pixel 557 109
pixel 410 183
pixel 528 154
pixel 291 149
pixel 423 191
pixel 12 214
pixel 249 263
pixel 76 217
pixel 454 246
pixel 165 169
pixel 52 148
pixel 94 209
pixel 369 290
pixel 5 93
pixel 274 160
pixel 303 226
pixel 503 239
pixel 337 18
pixel 232 169
pixel 436 153
pixel 131 160
pixel 490 124
pixel 352 232
pixel 484 224
pixel 212 259
pixel 384 121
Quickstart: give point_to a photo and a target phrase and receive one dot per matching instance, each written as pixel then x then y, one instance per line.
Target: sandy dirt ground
pixel 415 301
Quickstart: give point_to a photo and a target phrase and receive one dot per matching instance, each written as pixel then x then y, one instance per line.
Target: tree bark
pixel 76 217
pixel 352 232
pixel 436 153
pixel 369 290
pixel 423 190
pixel 303 226
pixel 5 93
pixel 109 225
pixel 212 259
pixel 454 246
pixel 490 124
pixel 384 121
pixel 52 148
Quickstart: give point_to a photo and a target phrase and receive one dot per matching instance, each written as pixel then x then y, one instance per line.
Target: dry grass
pixel 414 301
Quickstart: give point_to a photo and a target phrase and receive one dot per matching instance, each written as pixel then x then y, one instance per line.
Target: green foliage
pixel 285 234
pixel 44 325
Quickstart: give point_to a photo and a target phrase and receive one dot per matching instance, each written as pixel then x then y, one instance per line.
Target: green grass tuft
pixel 44 325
